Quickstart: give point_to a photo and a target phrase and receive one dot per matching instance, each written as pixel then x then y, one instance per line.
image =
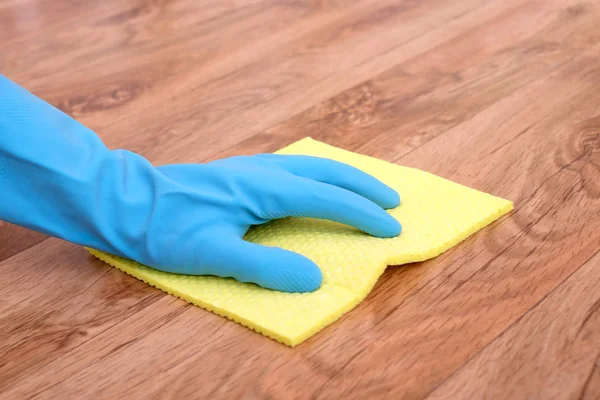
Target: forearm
pixel 57 177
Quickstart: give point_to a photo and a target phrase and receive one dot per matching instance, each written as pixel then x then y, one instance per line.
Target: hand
pixel 202 229
pixel 188 219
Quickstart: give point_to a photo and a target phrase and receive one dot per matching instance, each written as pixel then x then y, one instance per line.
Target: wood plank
pixel 280 85
pixel 553 352
pixel 202 91
pixel 390 115
pixel 25 22
pixel 52 304
pixel 106 42
pixel 23 18
pixel 37 32
pixel 14 239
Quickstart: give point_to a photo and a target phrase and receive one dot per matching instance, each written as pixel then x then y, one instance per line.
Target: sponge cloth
pixel 435 213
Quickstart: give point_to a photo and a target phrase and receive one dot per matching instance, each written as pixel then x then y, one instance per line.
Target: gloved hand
pixel 57 177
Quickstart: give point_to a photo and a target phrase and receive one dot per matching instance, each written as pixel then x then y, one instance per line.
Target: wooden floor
pixel 503 96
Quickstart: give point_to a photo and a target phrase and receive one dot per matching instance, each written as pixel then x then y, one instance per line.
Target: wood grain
pixel 265 77
pixel 15 239
pixel 544 354
pixel 35 324
pixel 21 18
pixel 500 96
pixel 457 78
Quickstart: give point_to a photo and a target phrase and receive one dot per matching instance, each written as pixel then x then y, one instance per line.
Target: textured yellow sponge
pixel 435 213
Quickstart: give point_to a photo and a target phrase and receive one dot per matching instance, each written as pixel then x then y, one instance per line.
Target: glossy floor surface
pixel 502 96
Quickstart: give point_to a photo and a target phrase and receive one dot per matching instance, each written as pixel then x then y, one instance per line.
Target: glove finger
pixel 307 198
pixel 338 174
pixel 269 267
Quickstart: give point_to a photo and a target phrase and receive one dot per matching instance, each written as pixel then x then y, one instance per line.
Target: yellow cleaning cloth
pixel 435 213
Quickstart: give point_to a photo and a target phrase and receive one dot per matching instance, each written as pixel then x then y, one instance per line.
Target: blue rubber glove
pixel 57 177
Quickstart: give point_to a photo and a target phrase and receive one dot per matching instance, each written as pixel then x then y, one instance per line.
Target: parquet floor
pixel 502 96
